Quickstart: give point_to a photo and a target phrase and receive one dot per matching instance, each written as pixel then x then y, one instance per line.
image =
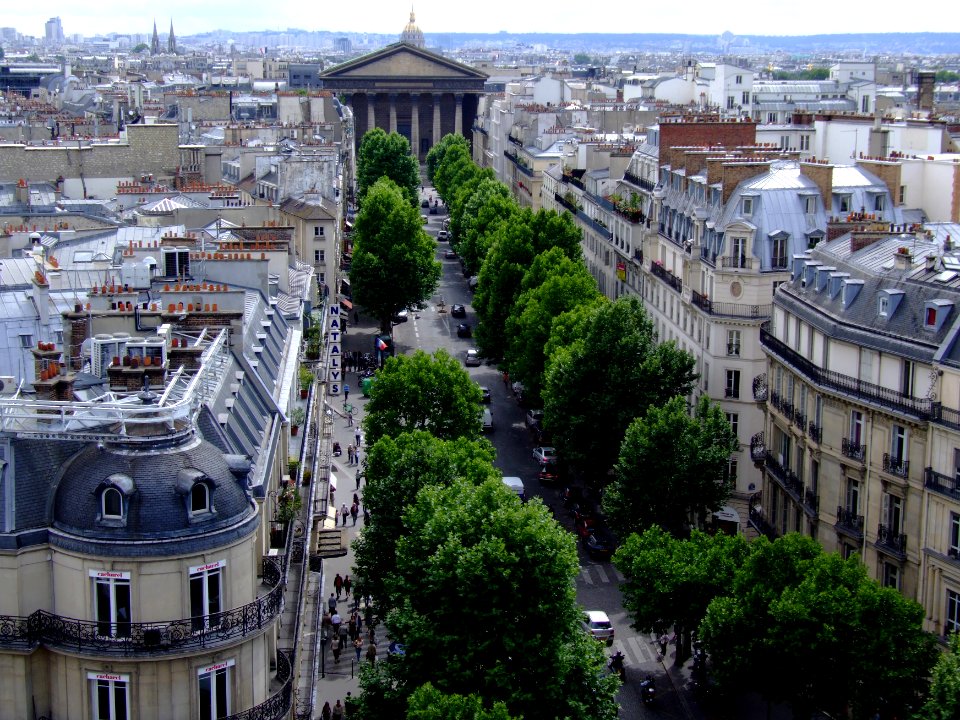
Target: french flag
pixel 381 345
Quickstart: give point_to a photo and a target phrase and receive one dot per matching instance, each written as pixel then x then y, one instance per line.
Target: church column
pixel 371 111
pixel 458 117
pixel 415 124
pixel 393 112
pixel 436 118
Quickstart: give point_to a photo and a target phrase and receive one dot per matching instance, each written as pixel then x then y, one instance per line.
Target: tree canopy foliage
pixel 394 261
pixel 436 155
pixel 671 470
pixel 489 607
pixel 474 228
pixel 382 155
pixel 428 703
pixel 606 369
pixel 423 392
pixel 943 702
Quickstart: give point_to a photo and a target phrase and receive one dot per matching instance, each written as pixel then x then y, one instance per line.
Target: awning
pixel 333 481
pixel 344 303
pixel 727 514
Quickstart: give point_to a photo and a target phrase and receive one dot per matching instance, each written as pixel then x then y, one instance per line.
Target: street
pixel 598 582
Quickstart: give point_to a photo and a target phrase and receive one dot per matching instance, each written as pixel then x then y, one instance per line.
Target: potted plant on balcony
pixel 306 380
pixel 313 350
pixel 297 416
pixel 289 503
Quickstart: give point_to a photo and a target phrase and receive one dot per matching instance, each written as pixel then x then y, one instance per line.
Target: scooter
pixel 648 690
pixel 616 665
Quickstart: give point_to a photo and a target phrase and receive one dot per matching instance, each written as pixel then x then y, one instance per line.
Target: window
pixel 706 381
pixel 853 496
pixel 733 343
pixel 214 690
pixel 745 99
pixel 805 145
pixel 930 319
pixel 734 420
pixel 907 370
pixel 733 384
pixel 58 337
pixel 205 595
pixel 953 550
pixel 200 498
pixel 883 305
pixel 844 203
pixel 778 254
pixel 856 427
pixel 317 231
pixel 878 202
pixel 731 101
pixel 738 251
pixel 818 411
pixel 111 602
pixel 903 194
pixel 747 206
pixel 731 475
pixel 892 513
pixel 891 576
pixel 810 204
pixel 109 695
pixel 739 80
pixel 319 257
pixel 898 444
pixel 952 621
pixel 111 503
pixel 26 341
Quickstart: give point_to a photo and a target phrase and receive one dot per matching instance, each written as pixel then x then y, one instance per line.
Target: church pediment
pixel 402 61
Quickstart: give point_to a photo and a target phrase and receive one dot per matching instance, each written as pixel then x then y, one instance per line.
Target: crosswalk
pixel 600 574
pixel 638 649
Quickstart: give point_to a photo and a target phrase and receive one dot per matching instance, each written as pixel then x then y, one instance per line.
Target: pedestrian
pixel 372 652
pixel 348 707
pixel 346 392
pixel 506 380
pixel 332 603
pixel 358 627
pixel 337 712
pixel 326 712
pixel 356 499
pixel 350 418
pixel 347 584
pixel 358 647
pixel 359 479
pixel 344 511
pixel 356 456
pixel 366 515
pixel 335 647
pixel 662 642
pixel 335 622
pixel 342 638
pixel 350 454
pixel 359 438
pixel 338 585
pixel 354 511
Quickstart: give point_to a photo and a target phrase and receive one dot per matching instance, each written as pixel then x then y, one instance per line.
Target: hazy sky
pixel 706 17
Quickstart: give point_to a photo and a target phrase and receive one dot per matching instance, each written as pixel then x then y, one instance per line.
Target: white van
pixel 516 485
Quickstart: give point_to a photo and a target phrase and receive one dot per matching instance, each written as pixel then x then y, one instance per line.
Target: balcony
pixel 736 263
pixel 710 258
pixel 891 542
pixel 815 432
pixel 277 706
pixel 658 270
pixel 895 466
pixel 828 379
pixel 786 477
pixel 849 523
pixel 853 450
pixel 569 204
pixel 760 524
pixel 760 388
pixel 148 638
pixel 946 485
pixel 758 448
pixel 639 181
pixel 738 310
pixel 811 502
pixel 519 162
pixel 799 419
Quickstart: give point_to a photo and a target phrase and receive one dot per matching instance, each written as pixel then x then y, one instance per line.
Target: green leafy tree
pixel 943 702
pixel 397 469
pixel 382 155
pixel 811 629
pixel 428 703
pixel 438 152
pixel 423 392
pixel 394 260
pixel 671 468
pixel 552 286
pixel 611 371
pixel 581 59
pixel 457 168
pixel 484 211
pixel 490 608
pixel 515 245
pixel 670 582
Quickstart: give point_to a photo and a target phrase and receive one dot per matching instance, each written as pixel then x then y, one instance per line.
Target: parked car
pixel 516 485
pixel 433 210
pixel 597 623
pixel 487 420
pixel 443 235
pixel 533 418
pixel 450 254
pixel 424 219
pixel 545 454
pixel 464 331
pixel 472 282
pixel 458 311
pixel 424 203
pixel 401 317
pixel 471 358
pixel 549 474
pixel 584 525
pixel 485 394
pixel 600 544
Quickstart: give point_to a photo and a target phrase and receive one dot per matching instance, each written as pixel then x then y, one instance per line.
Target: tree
pixel 397 469
pixel 428 703
pixel 671 582
pixel 141 47
pixel 515 245
pixel 437 153
pixel 382 155
pixel 457 168
pixel 671 468
pixel 394 260
pixel 611 371
pixel 487 207
pixel 490 608
pixel 811 629
pixel 943 702
pixel 552 286
pixel 423 392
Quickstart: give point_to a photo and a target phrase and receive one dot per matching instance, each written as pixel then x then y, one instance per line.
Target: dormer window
pixel 196 489
pixel 935 314
pixel 747 206
pixel 111 504
pixel 843 203
pixel 883 305
pixel 114 498
pixel 200 498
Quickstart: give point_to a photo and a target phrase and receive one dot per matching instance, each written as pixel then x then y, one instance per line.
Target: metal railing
pixel 947 485
pixel 853 450
pixel 658 270
pixel 896 465
pixel 147 638
pixel 739 310
pixel 815 432
pixel 811 501
pixel 882 396
pixel 758 447
pixel 786 477
pixel 849 522
pixel 736 263
pixel 277 706
pixel 890 540
pixel 760 389
pixel 639 181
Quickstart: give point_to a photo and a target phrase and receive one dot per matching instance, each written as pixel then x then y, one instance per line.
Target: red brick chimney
pixel 821 173
pixel 735 173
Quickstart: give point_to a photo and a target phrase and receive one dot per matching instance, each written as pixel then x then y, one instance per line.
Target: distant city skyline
pixel 700 17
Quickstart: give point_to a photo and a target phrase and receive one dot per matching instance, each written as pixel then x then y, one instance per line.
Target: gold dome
pixel 412 35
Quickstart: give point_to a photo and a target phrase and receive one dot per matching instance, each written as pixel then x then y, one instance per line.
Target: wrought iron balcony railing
pixel 849 522
pixel 760 387
pixel 760 523
pixel 946 485
pixel 739 310
pixel 785 476
pixel 658 270
pixel 639 181
pixel 758 447
pixel 738 262
pixel 853 450
pixel 815 432
pixel 799 419
pixel 895 465
pixel 277 706
pixel 811 501
pixel 147 638
pixel 891 541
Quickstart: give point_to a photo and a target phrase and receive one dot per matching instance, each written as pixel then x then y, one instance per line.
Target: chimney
pixel 925 86
pixel 903 259
pixel 22 194
pixel 735 173
pixel 821 173
pixel 886 170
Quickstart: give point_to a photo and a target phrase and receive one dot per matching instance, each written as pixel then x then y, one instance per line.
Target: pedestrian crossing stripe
pixel 600 575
